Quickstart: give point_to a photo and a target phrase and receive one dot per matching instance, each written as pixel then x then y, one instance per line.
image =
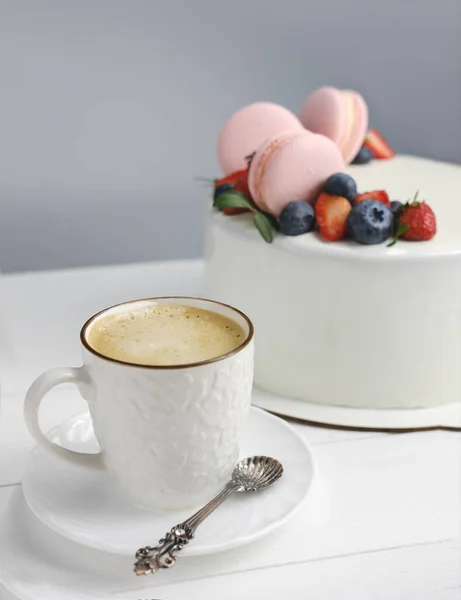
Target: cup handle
pixel 41 386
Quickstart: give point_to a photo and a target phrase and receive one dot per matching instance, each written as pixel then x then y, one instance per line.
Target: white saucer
pixel 446 416
pixel 84 506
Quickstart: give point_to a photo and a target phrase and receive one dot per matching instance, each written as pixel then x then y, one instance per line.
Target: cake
pixel 341 323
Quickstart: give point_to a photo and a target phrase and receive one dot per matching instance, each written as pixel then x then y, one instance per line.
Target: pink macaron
pixel 341 115
pixel 292 166
pixel 247 129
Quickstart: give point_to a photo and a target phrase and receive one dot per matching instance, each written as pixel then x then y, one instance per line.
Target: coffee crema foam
pixel 165 335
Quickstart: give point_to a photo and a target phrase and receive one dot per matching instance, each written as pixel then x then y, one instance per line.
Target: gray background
pixel 109 109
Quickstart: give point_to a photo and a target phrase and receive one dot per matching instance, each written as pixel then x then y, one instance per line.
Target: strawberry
pixel 233 210
pixel 378 145
pixel 239 182
pixel 331 214
pixel 379 195
pixel 231 178
pixel 419 220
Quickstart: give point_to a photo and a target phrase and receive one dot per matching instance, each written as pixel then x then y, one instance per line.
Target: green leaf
pixel 400 231
pixel 273 221
pixel 232 199
pixel 265 226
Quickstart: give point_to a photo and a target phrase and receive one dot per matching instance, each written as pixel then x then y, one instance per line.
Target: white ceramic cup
pixel 169 435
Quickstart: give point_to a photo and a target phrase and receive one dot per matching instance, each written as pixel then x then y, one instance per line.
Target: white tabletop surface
pixel 383 520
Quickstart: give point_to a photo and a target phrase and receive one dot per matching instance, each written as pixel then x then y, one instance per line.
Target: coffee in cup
pixel 165 335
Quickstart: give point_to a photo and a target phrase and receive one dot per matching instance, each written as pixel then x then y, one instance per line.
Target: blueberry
pixel 396 205
pixel 370 222
pixel 341 184
pixel 224 187
pixel 296 218
pixel 364 156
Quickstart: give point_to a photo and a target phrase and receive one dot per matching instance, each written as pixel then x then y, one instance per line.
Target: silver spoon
pixel 249 475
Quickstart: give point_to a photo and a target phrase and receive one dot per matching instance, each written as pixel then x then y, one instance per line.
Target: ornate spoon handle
pixel 152 558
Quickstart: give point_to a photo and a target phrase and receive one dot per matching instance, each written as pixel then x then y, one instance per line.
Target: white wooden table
pixel 383 520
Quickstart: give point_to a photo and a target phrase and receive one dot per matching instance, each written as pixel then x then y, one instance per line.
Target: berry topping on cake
pixel 418 221
pixel 364 156
pixel 294 182
pixel 378 145
pixel 340 184
pixel 379 195
pixel 370 222
pixel 296 218
pixel 331 214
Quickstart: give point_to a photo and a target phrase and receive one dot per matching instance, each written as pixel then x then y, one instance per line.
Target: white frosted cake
pixel 346 324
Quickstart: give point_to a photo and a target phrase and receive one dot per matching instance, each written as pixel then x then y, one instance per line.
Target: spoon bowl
pixel 256 473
